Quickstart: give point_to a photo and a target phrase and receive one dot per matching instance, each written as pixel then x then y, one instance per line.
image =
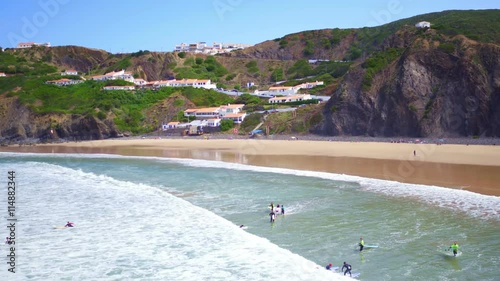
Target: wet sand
pixel 474 168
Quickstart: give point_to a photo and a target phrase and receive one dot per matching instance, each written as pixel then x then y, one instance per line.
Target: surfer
pixel 8 240
pixel 282 210
pixel 69 224
pixel 329 266
pixel 272 206
pixel 348 268
pixel 361 244
pixel 272 216
pixel 454 247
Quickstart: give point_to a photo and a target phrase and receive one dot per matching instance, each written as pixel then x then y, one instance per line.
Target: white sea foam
pixel 474 204
pixel 126 230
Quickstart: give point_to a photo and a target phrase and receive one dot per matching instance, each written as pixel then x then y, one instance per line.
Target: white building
pixel 423 24
pixel 214 122
pixel 231 109
pixel 2 74
pixel 196 83
pixel 115 75
pixel 64 82
pixel 69 72
pixel 289 99
pixel 216 48
pixel 23 45
pixel 208 112
pixel 140 82
pixel 124 88
pixel 236 117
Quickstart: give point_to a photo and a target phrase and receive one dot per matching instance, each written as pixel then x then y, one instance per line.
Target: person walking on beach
pixel 454 247
pixel 348 268
pixel 361 244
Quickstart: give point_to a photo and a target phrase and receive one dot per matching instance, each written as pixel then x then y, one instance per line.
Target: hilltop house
pixel 23 45
pixel 64 82
pixel 202 47
pixel 423 24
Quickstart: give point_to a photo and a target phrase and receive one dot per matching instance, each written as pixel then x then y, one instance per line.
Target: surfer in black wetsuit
pixel 69 224
pixel 347 267
pixel 272 215
pixel 282 210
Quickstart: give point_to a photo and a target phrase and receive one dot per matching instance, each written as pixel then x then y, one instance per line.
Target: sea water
pixel 139 218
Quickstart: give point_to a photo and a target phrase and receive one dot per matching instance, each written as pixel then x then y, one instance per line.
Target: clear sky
pixel 156 25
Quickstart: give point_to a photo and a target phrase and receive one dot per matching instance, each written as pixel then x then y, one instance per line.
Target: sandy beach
pixel 470 167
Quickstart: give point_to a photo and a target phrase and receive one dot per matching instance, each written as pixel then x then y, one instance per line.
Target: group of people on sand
pixel 276 211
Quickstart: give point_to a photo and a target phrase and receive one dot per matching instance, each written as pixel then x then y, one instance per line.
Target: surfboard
pixel 370 246
pixel 355 275
pixel 60 227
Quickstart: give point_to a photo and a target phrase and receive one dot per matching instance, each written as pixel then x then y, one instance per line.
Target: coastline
pixel 475 168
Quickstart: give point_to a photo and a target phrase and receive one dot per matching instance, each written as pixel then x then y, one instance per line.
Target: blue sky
pixel 155 25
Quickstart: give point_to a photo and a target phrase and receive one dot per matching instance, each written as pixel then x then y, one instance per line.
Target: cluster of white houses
pixel 139 83
pixel 203 48
pixel 24 45
pixel 210 116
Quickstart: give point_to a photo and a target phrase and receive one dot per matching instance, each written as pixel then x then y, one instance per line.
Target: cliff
pixel 437 86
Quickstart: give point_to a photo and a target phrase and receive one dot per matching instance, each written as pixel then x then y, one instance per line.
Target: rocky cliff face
pixel 433 89
pixel 19 123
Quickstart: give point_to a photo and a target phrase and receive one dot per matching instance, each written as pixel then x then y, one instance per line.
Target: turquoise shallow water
pixel 177 219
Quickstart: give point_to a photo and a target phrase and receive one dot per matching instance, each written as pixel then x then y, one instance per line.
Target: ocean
pixel 149 218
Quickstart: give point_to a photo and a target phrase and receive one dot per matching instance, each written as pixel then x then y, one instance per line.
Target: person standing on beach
pixel 454 247
pixel 361 244
pixel 348 268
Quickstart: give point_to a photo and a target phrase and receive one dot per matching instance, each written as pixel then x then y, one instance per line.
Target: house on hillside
pixel 69 72
pixel 214 122
pixel 140 82
pixel 196 83
pixel 423 24
pixel 2 74
pixel 209 112
pixel 231 109
pixel 170 125
pixel 64 82
pixel 237 118
pixel 124 88
pixel 115 75
pixel 289 99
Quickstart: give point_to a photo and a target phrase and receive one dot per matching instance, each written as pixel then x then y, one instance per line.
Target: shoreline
pixel 475 168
